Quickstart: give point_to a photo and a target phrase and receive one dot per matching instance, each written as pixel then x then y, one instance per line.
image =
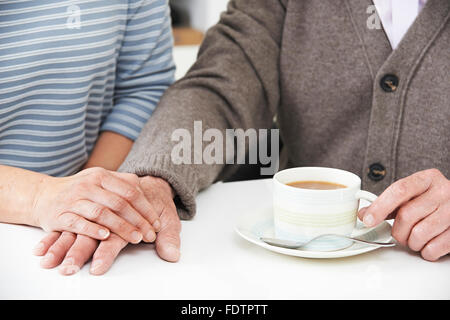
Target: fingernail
pixel 157 225
pixel 38 249
pixel 103 233
pixel 150 236
pixel 47 259
pixel 68 262
pixel 136 236
pixel 96 265
pixel 172 253
pixel 368 220
pixel 68 268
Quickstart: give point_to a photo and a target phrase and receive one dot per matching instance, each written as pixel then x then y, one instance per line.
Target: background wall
pixel 200 14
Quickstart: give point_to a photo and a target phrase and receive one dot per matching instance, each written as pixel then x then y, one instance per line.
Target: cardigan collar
pixel 379 54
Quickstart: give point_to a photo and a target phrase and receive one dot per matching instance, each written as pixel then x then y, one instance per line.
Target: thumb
pixel 168 239
pixel 362 213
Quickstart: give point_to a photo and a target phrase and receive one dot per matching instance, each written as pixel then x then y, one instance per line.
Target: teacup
pixel 303 214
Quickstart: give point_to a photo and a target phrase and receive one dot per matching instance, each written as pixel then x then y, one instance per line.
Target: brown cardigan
pixel 318 67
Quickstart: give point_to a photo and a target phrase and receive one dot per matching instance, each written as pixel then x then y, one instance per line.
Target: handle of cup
pixel 366 195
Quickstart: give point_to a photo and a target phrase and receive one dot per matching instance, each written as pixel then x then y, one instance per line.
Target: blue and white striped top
pixel 71 69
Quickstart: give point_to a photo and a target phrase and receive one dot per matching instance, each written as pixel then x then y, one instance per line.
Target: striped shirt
pixel 72 69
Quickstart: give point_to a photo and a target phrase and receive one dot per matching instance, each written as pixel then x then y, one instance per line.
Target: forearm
pixel 18 192
pixel 233 84
pixel 110 151
pixel 19 188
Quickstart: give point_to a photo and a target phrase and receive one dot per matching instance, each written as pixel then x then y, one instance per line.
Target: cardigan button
pixel 389 83
pixel 376 172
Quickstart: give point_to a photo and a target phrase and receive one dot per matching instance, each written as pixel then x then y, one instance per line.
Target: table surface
pixel 217 264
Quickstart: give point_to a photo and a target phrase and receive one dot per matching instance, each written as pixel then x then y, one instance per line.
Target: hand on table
pixel 73 251
pixel 94 202
pixel 420 205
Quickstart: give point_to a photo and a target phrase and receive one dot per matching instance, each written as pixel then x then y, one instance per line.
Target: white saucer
pixel 259 224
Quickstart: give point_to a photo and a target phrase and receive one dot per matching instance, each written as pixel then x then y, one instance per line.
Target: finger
pixel 410 214
pixel 397 194
pixel 129 177
pixel 168 240
pixel 121 207
pixel 362 212
pixel 438 247
pixel 81 251
pixel 58 250
pixel 140 203
pixel 43 245
pixel 121 187
pixel 143 206
pixel 105 217
pixel 429 228
pixel 106 253
pixel 72 222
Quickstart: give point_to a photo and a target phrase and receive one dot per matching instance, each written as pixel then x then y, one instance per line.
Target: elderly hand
pixel 420 205
pixel 93 203
pixel 73 251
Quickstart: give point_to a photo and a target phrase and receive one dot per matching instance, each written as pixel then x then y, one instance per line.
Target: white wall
pixel 184 57
pixel 202 13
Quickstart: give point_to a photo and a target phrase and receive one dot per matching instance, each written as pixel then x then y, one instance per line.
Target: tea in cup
pixel 313 201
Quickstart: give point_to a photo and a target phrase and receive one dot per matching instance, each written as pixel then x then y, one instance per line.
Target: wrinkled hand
pixel 73 251
pixel 420 205
pixel 94 202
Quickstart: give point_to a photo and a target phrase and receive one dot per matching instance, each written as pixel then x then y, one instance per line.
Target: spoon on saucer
pixel 296 245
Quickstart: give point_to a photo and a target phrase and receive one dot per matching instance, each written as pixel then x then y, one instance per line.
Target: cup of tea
pixel 313 201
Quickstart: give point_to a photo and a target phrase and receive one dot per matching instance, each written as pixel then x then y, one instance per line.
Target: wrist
pixel 36 205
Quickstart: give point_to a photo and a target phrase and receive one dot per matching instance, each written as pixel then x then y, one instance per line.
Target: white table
pixel 217 264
